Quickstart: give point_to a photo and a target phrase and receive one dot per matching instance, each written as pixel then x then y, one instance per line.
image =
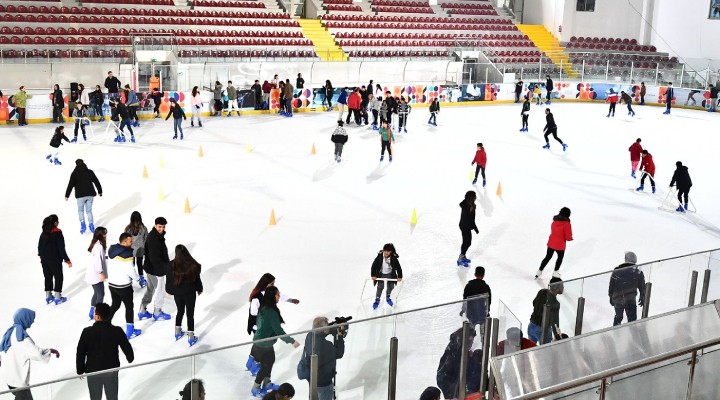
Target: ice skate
pixel 73 140
pixel 192 123
pixel 199 124
pixel 565 146
pixel 179 333
pixel 389 301
pixel 382 158
pixel 474 181
pixel 159 315
pixel 538 273
pixel 91 314
pixel 144 315
pixel 484 182
pixel 686 206
pixel 92 227
pixel 640 188
pixel 83 228
pixel 405 130
pixel 49 157
pixel 653 189
pixel 142 282
pixel 547 146
pixel 84 137
pixel 680 209
pixel 390 158
pixel 56 161
pixel 192 339
pixel 181 136
pixel 131 332
pixel 556 274
pixel 175 137
pixel 59 299
pixel 48 298
pixel 376 304
pixel 632 174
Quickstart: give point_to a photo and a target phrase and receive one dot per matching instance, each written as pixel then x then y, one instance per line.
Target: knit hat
pixel 431 393
pixel 630 257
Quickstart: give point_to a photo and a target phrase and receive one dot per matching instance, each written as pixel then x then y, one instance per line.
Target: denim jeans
pixel 177 124
pixel 534 332
pixel 84 205
pixel 326 392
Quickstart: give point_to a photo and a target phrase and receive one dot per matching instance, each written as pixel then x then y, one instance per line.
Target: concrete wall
pixel 683 29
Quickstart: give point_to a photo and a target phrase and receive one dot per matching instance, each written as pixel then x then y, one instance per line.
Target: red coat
pixel 354 101
pixel 480 158
pixel 635 151
pixel 560 232
pixel 648 165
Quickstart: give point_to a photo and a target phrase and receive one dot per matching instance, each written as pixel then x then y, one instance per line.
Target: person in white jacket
pixel 121 274
pixel 96 272
pixel 374 105
pixel 84 96
pixel 196 106
pixel 18 349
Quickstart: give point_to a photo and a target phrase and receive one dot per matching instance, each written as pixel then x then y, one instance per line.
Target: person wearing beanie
pixel 626 282
pixel 385 267
pixel 560 234
pixel 635 154
pixel 430 393
pixel 545 297
pixel 681 178
pixel 647 167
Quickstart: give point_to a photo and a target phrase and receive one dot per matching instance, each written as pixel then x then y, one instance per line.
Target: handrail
pixel 474 298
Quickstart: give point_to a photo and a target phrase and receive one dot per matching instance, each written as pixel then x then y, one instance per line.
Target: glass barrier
pixel 714 267
pixel 509 326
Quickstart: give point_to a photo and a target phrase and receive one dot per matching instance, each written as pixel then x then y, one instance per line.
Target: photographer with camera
pixel 328 353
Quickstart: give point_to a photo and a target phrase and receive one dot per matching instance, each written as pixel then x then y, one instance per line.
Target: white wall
pixel 549 13
pixel 684 30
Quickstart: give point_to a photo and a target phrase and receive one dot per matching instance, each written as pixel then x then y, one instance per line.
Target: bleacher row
pixel 226 4
pixel 68 12
pixel 113 33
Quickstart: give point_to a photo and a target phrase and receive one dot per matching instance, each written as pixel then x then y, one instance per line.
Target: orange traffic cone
pixel 312 150
pixel 145 174
pixel 200 152
pixel 499 190
pixel 187 206
pixel 272 217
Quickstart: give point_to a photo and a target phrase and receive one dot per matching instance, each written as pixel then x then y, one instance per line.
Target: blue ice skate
pixel 565 146
pixel 83 228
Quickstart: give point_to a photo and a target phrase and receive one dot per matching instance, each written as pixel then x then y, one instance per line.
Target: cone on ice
pixel 248 149
pixel 272 217
pixel 145 174
pixel 312 150
pixel 200 152
pixel 161 195
pixel 187 206
pixel 161 162
pixel 413 218
pixel 499 190
pixel 472 173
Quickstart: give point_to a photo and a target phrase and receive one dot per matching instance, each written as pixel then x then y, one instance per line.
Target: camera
pixel 339 327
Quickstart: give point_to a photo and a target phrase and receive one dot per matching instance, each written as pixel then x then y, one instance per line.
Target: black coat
pixel 625 283
pixel 97 349
pixel 56 140
pixel 391 105
pixel 122 111
pixel 714 93
pixel 448 372
pixel 299 83
pixel 177 112
pixel 183 289
pixel 52 250
pixel 434 106
pixel 328 353
pixel 112 85
pixel 252 319
pixel 156 254
pixel 526 107
pixel 58 100
pixel 467 217
pixel 82 180
pixel 518 87
pixel 477 310
pixel 549 122
pixel 376 268
pixel 545 297
pixel 681 178
pixel 549 85
pixel 97 97
pixel 257 89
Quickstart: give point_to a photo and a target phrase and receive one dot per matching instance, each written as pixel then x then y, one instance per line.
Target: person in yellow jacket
pixel 21 99
pixel 386 138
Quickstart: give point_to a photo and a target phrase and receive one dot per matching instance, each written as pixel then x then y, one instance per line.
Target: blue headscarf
pixel 22 320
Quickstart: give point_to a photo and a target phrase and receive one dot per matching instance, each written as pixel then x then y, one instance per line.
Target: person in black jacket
pixel 183 282
pixel 55 143
pixel 625 283
pixel 156 261
pixel 392 105
pixel 329 92
pixel 178 115
pixel 300 82
pixel 448 372
pixel 518 90
pixel 257 91
pixel 385 266
pixel 477 310
pixel 525 114
pixel 681 178
pixel 545 296
pixel 157 97
pixel 123 115
pixel 549 85
pixel 467 225
pixel 58 103
pixel 551 128
pixel 97 350
pixel 82 180
pixel 328 353
pixel 97 100
pixel 51 250
pixel 112 84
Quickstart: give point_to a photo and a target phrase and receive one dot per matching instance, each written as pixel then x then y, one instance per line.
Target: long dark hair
pixel 268 301
pixel 470 198
pixel 48 226
pixel 187 392
pixel 195 91
pixel 99 236
pixel 262 284
pixel 56 87
pixel 185 268
pixel 135 223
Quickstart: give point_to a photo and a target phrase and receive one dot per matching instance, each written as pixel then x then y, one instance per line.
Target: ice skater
pixel 84 181
pixel 681 178
pixel 551 128
pixel 624 97
pixel 184 284
pixel 404 110
pixel 480 160
pixel 713 98
pixel 467 225
pixel 549 85
pixel 196 105
pixel 647 167
pixel 342 102
pixel 560 234
pixel 121 275
pixel 51 250
pixel 156 261
pixel 643 91
pixel 124 116
pixel 385 267
pixel 669 96
pixel 178 115
pixel 374 104
pixel 79 114
pixel 383 113
pixel 537 94
pixel 232 96
pixel 525 113
pixel 96 273
pixel 386 139
pixel 139 233
pixel 339 137
pixel 635 154
pixel 55 143
pixel 612 99
pixel 434 111
pixel 132 103
pixel 626 282
pixel 691 97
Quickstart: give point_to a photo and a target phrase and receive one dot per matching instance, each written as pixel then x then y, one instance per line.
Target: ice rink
pixel 333 218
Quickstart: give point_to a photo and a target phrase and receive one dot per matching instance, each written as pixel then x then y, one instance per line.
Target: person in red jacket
pixel 480 160
pixel 648 169
pixel 560 233
pixel 635 152
pixel 354 100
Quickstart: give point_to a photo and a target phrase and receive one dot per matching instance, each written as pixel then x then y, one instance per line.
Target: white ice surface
pixel 333 218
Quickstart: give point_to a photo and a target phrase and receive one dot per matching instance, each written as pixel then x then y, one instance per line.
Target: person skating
pixel 51 250
pixel 635 154
pixel 269 322
pixel 97 350
pixel 518 90
pixel 55 143
pixel 669 96
pixel 385 266
pixel 624 97
pixel 626 282
pixel 434 111
pixel 58 103
pixel 551 128
pixel 96 273
pixel 383 113
pixel 218 98
pixel 97 101
pixel 392 107
pixel 289 92
pixel 479 161
pixel 643 91
pixel 681 178
pixel 549 86
pixel 374 104
pixel 184 283
pixel 84 181
pixel 545 297
pixel 353 104
pixel 266 88
pixel 232 96
pixel 467 225
pixel 386 139
pixel 329 92
pixel 476 310
pixel 342 102
pixel 560 234
pixel 196 106
pixel 178 115
pixel 537 95
pixel 156 261
pixel 713 98
pixel 257 95
pixel 404 110
pixel 647 167
pixel 18 350
pixel 612 99
pixel 124 116
pixel 525 113
pixel 157 97
pixel 79 114
pixel 132 103
pixel 121 275
pixel 112 84
pixel 339 137
pixel 139 233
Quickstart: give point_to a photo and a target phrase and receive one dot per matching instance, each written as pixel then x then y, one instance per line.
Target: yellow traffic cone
pixel 499 190
pixel 472 173
pixel 200 152
pixel 187 206
pixel 161 195
pixel 413 218
pixel 162 162
pixel 145 174
pixel 312 151
pixel 272 217
pixel 248 149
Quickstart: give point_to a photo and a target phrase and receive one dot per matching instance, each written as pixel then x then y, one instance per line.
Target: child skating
pixel 525 113
pixel 79 114
pixel 55 143
pixel 612 99
pixel 551 128
pixel 537 95
pixel 480 160
pixel 404 110
pixel 434 111
pixel 178 115
pixel 560 234
pixel 339 137
pixel 647 167
pixel 385 266
pixel 196 106
pixel 635 154
pixel 386 138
